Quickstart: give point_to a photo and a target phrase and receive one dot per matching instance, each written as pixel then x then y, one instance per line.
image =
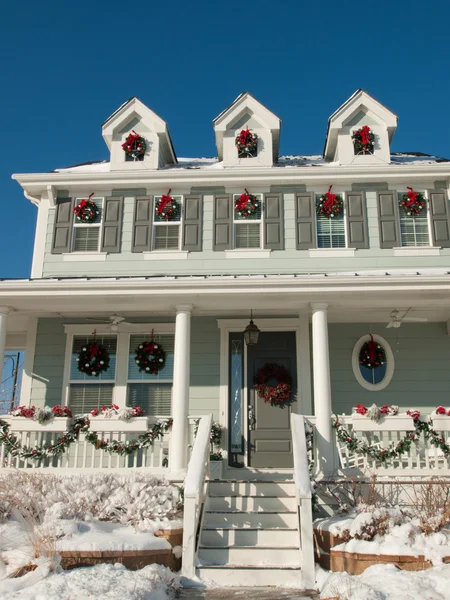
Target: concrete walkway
pixel 252 593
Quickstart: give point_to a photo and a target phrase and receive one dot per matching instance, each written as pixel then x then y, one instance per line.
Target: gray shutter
pixel 62 238
pixel 223 222
pixel 439 212
pixel 112 224
pixel 387 205
pixel 273 222
pixel 142 224
pixel 192 224
pixel 305 219
pixel 356 216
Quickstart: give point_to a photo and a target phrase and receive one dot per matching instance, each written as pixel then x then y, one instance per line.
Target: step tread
pixel 251 567
pixel 251 528
pixel 219 481
pixel 247 496
pixel 234 547
pixel 252 512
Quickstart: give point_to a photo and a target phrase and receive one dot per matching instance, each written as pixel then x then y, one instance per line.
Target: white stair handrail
pixel 194 492
pixel 303 493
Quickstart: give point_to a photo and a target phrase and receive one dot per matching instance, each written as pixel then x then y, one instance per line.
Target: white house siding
pixel 207 261
pixel 422 359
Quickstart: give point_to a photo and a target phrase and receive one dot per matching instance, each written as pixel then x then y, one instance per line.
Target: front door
pixel 269 439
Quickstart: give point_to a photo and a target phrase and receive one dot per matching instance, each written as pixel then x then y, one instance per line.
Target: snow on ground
pixel 113 582
pixel 386 582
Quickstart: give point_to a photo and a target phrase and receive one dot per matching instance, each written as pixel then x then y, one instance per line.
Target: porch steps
pixel 250 534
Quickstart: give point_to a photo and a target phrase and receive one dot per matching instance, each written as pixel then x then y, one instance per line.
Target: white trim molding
pixel 390 367
pixel 250 253
pixel 417 251
pixel 331 252
pixel 105 328
pixel 166 255
pixel 84 257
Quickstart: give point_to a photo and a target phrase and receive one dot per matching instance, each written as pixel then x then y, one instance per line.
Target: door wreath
pixel 275 394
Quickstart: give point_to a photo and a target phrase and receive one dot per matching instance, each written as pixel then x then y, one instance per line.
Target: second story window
pixel 248 230
pixel 331 231
pixel 414 230
pixel 87 235
pixel 167 222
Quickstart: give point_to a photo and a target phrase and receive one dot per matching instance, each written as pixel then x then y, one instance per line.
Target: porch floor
pixel 252 593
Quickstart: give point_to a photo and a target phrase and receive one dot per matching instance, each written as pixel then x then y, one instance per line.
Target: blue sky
pixel 65 67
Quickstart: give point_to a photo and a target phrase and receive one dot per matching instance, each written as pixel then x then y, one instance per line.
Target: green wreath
pixel 246 143
pixel 247 205
pixel 363 140
pixel 275 394
pixel 93 359
pixel 150 357
pixel 134 146
pixel 372 354
pixel 86 211
pixel 412 203
pixel 166 208
pixel 330 205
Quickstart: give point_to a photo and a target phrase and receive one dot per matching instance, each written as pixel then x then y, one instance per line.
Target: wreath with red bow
pixel 330 205
pixel 150 357
pixel 86 211
pixel 412 203
pixel 246 143
pixel 372 354
pixel 166 208
pixel 275 394
pixel 247 205
pixel 134 146
pixel 363 140
pixel 93 359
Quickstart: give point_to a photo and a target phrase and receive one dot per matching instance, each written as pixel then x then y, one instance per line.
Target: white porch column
pixel 4 312
pixel 322 388
pixel 180 395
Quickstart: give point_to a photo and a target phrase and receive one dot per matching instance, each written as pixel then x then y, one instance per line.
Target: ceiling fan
pixel 397 318
pixel 113 321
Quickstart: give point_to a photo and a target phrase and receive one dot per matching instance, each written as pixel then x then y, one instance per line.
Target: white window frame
pixel 344 214
pixel 390 366
pixel 156 223
pixel 98 224
pixel 428 219
pixel 123 334
pixel 260 222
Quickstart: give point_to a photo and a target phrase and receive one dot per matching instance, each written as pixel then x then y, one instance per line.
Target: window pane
pixel 330 231
pixel 110 343
pixel 84 398
pixel 248 235
pixel 166 237
pixel 414 230
pixel 167 342
pixel 373 375
pixel 155 399
pixel 86 239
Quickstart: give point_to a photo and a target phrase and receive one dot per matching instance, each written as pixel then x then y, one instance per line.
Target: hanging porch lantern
pixel 251 333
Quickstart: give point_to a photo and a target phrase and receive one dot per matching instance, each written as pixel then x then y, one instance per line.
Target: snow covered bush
pixel 133 498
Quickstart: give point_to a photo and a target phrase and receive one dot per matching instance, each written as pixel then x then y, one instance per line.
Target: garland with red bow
pixel 330 205
pixel 412 203
pixel 93 359
pixel 363 140
pixel 150 357
pixel 275 394
pixel 134 146
pixel 166 208
pixel 246 143
pixel 372 354
pixel 86 211
pixel 247 205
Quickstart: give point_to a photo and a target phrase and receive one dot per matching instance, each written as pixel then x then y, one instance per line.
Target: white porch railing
pixel 304 499
pixel 84 456
pixel 194 495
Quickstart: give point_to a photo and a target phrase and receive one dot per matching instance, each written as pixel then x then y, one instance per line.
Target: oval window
pixel 373 362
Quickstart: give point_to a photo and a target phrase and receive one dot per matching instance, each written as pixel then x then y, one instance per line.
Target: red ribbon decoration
pixel 78 210
pixel 329 202
pixel 148 347
pixel 244 135
pixel 242 202
pixel 165 199
pixel 364 131
pixel 412 197
pixel 128 143
pixel 372 345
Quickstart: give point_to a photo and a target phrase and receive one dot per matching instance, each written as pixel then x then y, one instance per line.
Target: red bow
pixel 165 199
pixel 244 135
pixel 78 210
pixel 412 197
pixel 93 349
pixel 329 202
pixel 372 349
pixel 148 347
pixel 128 143
pixel 365 140
pixel 242 202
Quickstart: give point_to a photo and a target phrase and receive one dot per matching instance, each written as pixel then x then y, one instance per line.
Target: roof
pixel 300 160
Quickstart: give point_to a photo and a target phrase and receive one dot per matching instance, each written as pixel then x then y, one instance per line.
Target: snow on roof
pixel 315 160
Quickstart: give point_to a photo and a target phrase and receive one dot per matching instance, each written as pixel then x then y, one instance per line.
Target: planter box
pixel 401 422
pixel 138 424
pixel 60 424
pixel 216 469
pixel 440 422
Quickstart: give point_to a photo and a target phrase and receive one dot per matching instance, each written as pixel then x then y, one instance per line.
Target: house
pixel 333 258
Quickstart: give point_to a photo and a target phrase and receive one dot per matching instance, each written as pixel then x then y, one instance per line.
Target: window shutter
pixel 62 237
pixel 387 205
pixel 112 224
pixel 273 222
pixel 305 217
pixel 192 224
pixel 223 222
pixel 439 213
pixel 142 224
pixel 356 216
